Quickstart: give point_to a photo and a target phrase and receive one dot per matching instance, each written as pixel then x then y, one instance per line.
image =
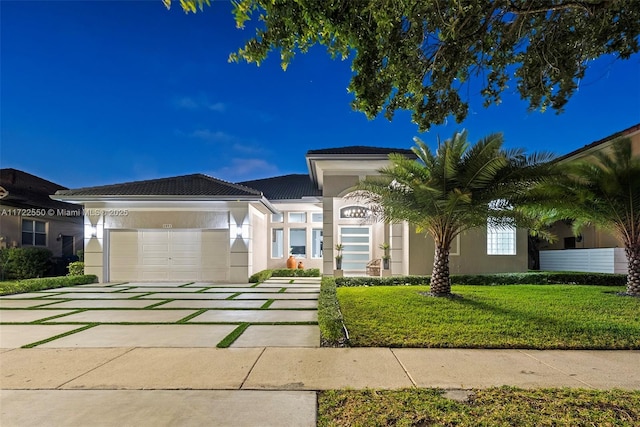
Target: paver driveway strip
pixel 145 336
pixel 256 316
pixel 279 336
pixel 129 316
pixel 109 303
pixel 13 336
pixel 27 316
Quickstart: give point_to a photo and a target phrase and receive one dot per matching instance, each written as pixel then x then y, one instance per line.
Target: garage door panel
pixel 169 255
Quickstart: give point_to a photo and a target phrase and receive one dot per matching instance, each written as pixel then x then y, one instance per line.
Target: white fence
pixel 604 260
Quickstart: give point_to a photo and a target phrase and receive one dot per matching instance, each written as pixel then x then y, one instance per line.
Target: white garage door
pixel 169 255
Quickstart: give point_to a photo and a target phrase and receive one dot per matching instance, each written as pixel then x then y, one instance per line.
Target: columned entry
pixel 357 249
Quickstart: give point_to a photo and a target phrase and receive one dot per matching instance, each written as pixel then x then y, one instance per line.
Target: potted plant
pixel 339 248
pixel 386 258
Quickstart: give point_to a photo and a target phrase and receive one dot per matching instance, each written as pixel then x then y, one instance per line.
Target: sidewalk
pixel 264 386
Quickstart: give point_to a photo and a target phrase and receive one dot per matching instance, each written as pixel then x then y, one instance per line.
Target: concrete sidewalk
pixel 266 386
pixel 273 368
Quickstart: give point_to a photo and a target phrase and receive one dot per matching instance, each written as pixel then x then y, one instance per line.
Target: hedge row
pixel 530 278
pixel 263 275
pixel 330 322
pixel 31 285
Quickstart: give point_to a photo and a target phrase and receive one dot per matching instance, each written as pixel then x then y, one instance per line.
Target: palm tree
pixel 604 191
pixel 458 188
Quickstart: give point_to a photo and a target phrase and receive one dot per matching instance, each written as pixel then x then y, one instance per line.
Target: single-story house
pixel 30 218
pixel 593 250
pixel 200 228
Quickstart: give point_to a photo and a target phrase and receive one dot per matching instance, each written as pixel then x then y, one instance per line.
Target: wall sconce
pixel 59 237
pixel 90 230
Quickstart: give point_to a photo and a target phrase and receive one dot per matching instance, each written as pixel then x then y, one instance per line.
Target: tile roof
pixel 287 187
pixel 25 190
pixel 620 134
pixel 360 150
pixel 186 185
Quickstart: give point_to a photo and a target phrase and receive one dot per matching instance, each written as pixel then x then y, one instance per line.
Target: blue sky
pixel 99 92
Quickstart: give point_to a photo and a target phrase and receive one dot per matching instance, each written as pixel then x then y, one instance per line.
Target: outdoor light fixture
pixel 90 230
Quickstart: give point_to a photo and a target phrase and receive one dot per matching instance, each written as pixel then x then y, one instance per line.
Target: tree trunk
pixel 440 281
pixel 633 277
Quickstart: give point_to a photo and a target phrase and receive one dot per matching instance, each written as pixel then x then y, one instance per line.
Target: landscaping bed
pixel 501 406
pixel 520 316
pixel 29 285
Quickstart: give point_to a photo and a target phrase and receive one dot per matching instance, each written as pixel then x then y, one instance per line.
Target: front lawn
pixel 491 407
pixel 512 316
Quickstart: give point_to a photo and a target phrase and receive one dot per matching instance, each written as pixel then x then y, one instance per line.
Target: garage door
pixel 169 255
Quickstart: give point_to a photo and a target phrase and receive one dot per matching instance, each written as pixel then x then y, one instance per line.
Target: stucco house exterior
pixel 593 250
pixel 200 228
pixel 30 218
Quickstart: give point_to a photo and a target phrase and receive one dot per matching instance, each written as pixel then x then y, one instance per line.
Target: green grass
pixel 230 339
pixel 503 406
pixel 518 316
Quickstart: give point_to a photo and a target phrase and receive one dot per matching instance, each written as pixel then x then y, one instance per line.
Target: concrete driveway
pixel 280 312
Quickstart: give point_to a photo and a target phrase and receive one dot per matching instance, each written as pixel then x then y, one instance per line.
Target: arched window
pixel 355 212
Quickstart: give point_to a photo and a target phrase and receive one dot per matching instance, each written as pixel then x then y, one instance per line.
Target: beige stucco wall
pixel 258 230
pixel 11 229
pixel 470 257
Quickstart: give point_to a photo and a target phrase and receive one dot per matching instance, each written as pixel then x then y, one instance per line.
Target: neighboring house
pixel 28 216
pixel 200 228
pixel 593 250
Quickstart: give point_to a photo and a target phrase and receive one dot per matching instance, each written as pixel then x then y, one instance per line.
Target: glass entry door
pixel 357 249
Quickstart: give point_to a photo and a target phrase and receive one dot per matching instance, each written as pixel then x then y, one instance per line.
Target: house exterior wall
pixel 67 223
pixel 258 230
pixel 468 254
pixel 589 236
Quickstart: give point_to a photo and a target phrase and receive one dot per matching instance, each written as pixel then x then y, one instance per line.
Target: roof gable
pixel 359 150
pixel 286 187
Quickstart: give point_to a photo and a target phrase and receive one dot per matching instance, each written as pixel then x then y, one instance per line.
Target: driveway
pixel 280 312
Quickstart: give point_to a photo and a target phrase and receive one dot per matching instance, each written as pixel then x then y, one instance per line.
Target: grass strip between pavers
pixel 282 290
pixel 186 284
pixel 233 295
pixel 267 304
pixel 157 304
pixel 192 315
pixel 55 337
pixel 230 339
pixel 46 319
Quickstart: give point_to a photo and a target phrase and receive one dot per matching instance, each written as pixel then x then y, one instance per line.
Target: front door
pixel 356 252
pixel 67 246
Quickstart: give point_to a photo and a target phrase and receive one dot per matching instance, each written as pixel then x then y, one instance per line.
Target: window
pixel 277 217
pixel 34 232
pixel 355 212
pixel 316 243
pixel 501 239
pixel 298 241
pixel 316 217
pixel 277 243
pixel 297 217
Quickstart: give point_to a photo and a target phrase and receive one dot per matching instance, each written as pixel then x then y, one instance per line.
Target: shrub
pixel 263 275
pixel 24 263
pixel 30 285
pixel 529 278
pixel 260 276
pixel 76 268
pixel 330 322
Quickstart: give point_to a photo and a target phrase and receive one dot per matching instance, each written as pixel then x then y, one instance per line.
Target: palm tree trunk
pixel 633 277
pixel 440 281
